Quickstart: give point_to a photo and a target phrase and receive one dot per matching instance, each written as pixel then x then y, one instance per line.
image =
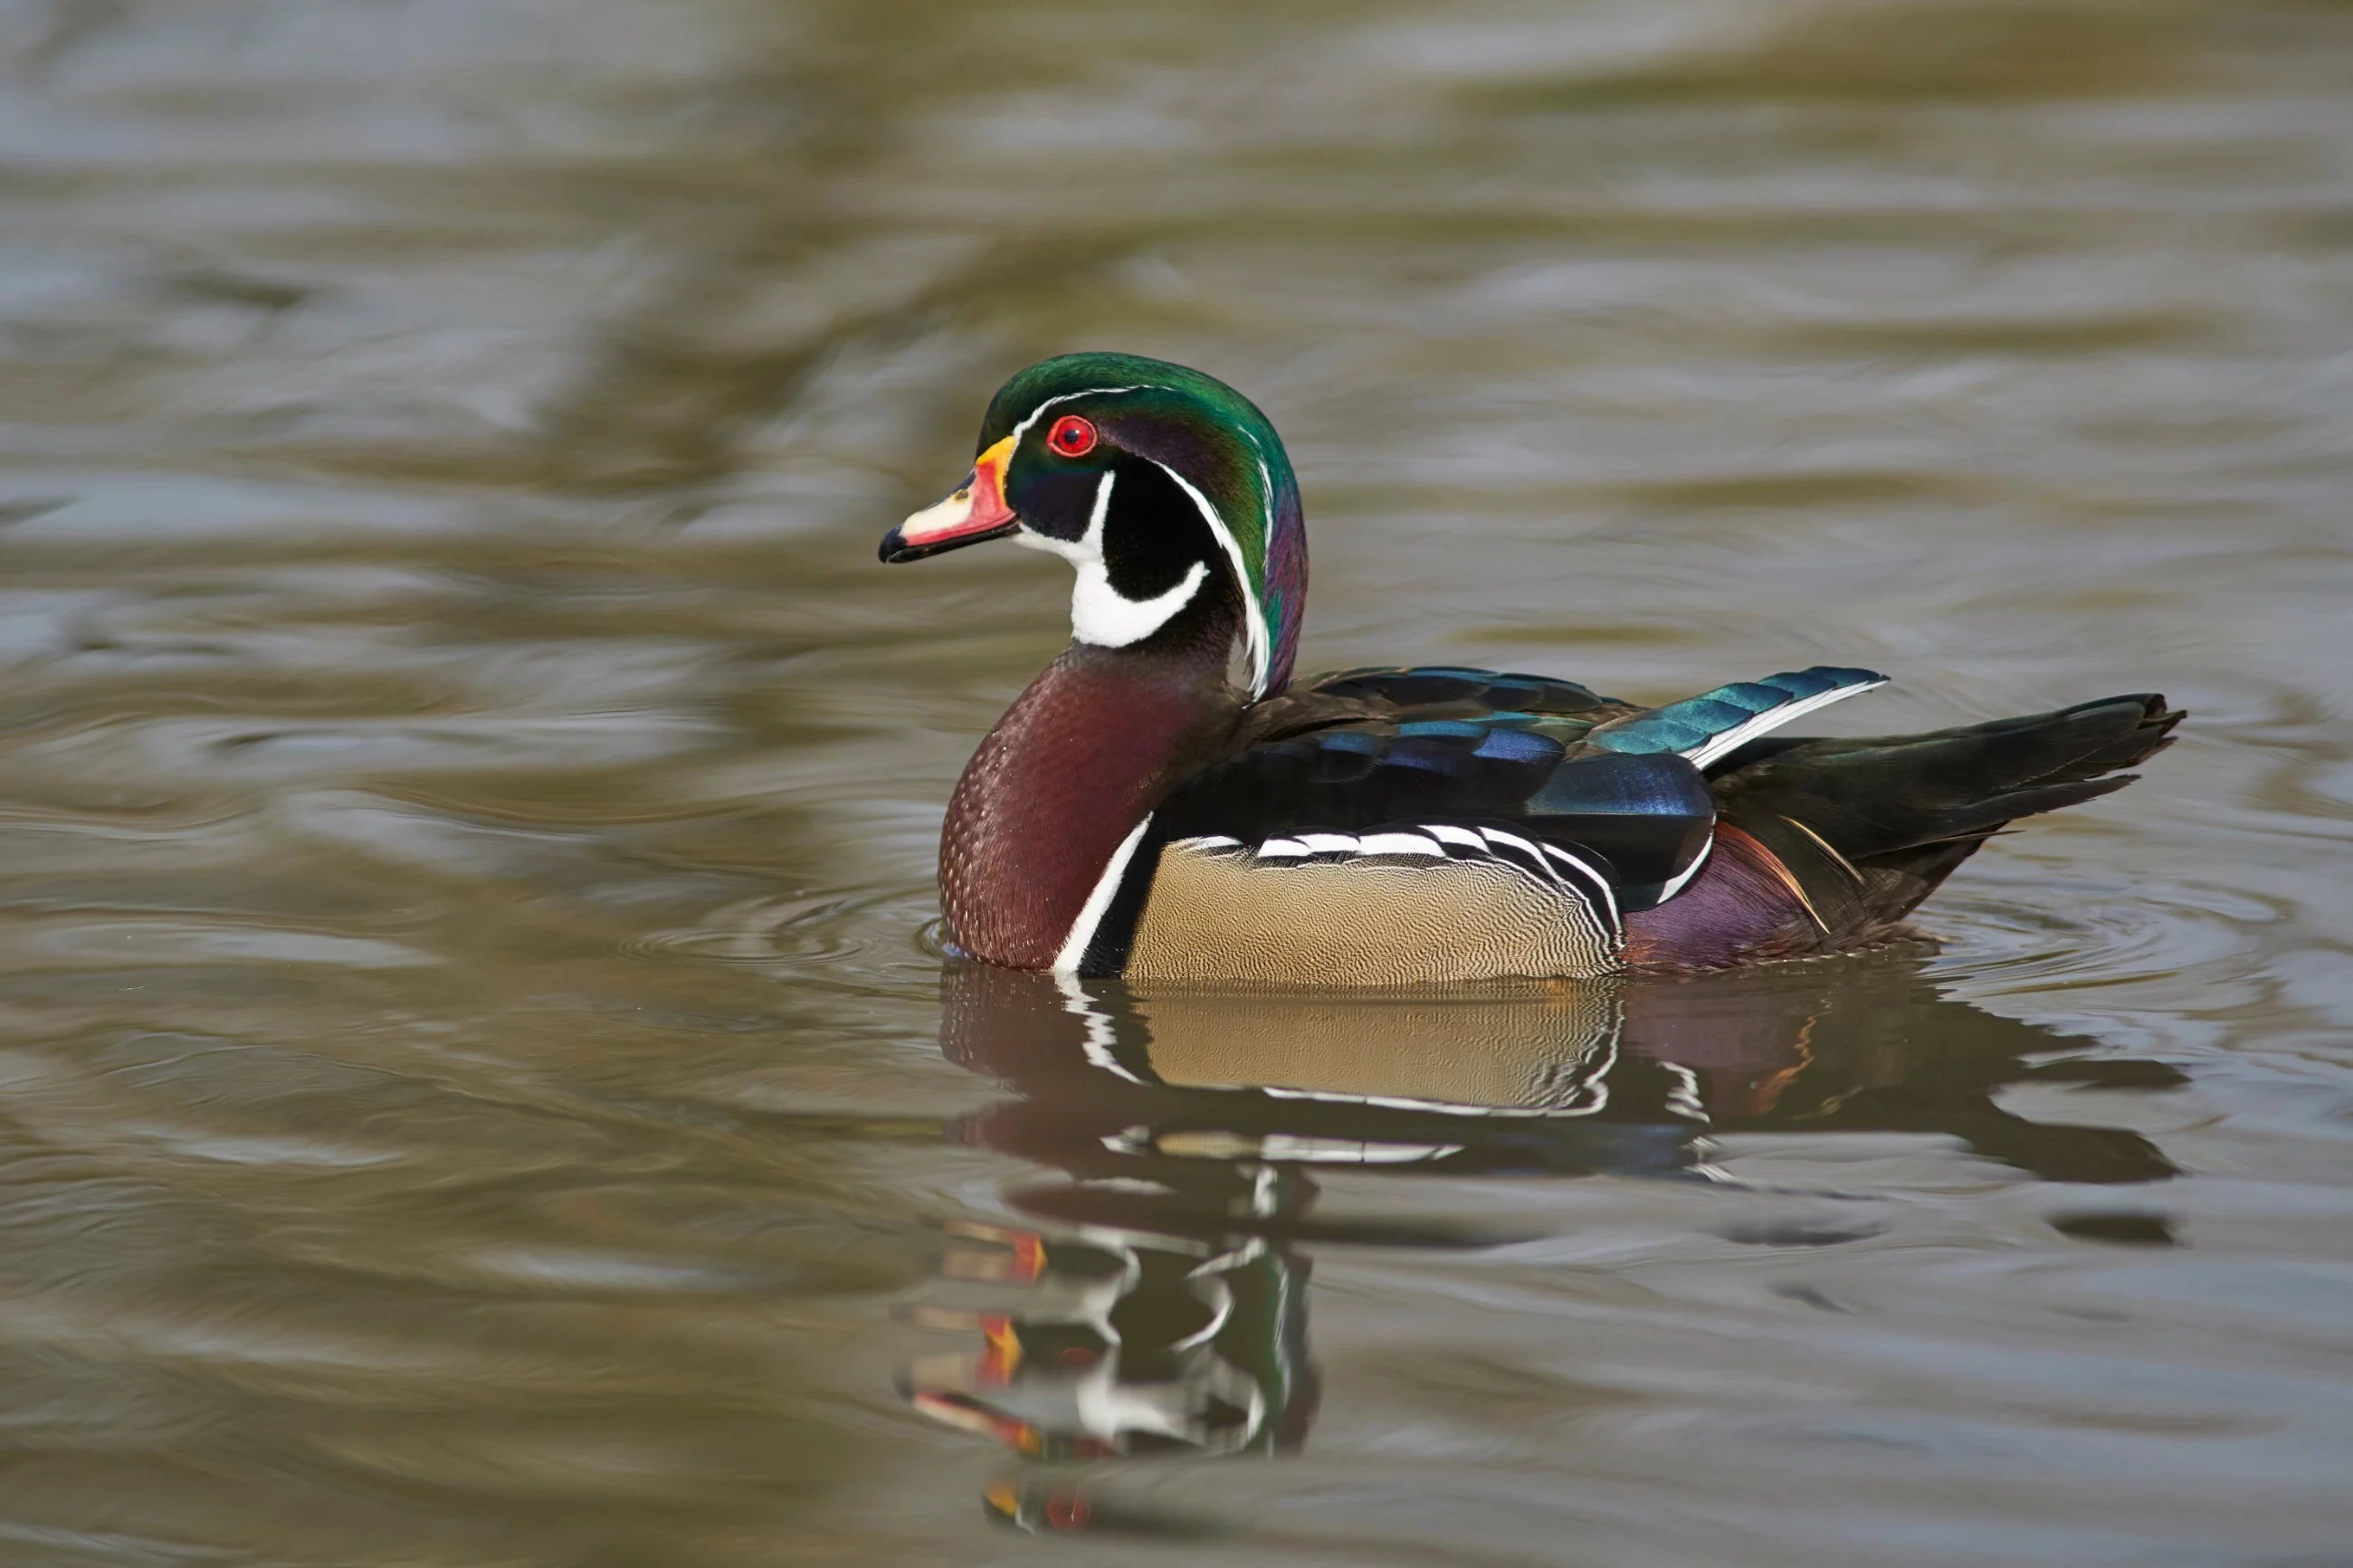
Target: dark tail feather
pixel 1871 827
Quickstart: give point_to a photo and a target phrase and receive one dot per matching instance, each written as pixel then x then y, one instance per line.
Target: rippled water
pixel 479 1083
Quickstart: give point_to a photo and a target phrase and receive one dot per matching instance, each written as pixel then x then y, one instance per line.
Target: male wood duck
pixel 1135 814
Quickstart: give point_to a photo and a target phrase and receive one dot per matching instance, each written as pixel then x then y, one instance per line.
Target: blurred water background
pixel 477 1087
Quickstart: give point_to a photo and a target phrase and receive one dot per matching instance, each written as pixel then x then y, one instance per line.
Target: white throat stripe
pixel 1100 612
pixel 1098 615
pixel 1258 641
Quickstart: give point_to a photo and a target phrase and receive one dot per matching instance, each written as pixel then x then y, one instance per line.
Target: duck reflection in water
pixel 1161 1307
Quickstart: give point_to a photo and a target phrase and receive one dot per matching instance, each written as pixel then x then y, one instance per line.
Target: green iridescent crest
pixel 1220 448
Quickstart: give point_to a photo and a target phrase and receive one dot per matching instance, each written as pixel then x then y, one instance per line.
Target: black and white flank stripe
pixel 1541 863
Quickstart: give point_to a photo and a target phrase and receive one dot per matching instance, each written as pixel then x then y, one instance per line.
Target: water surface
pixel 479 1083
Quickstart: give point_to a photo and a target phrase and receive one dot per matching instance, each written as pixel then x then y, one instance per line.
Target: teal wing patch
pixel 1704 727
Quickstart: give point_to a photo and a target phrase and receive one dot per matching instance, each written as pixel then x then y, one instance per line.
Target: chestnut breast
pixel 1074 765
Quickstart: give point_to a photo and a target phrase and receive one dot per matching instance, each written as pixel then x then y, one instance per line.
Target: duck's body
pixel 1135 813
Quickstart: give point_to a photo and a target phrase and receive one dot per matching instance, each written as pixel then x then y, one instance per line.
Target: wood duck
pixel 1136 813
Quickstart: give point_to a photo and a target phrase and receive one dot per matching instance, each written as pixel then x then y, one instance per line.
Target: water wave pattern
pixel 474 1082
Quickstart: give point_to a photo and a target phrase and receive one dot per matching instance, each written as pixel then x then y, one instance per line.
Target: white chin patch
pixel 1100 614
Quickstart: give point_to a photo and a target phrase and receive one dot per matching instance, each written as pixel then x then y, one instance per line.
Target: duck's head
pixel 1168 489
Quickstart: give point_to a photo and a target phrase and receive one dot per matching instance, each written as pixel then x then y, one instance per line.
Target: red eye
pixel 1072 436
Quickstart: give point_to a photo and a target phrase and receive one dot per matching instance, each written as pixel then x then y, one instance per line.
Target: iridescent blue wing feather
pixel 1712 724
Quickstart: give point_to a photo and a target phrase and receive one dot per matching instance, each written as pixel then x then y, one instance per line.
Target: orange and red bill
pixel 975 511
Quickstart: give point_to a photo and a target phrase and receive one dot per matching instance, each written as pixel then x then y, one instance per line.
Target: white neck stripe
pixel 1254 629
pixel 1265 486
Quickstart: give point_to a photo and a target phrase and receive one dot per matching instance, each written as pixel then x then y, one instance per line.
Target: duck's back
pixel 1433 825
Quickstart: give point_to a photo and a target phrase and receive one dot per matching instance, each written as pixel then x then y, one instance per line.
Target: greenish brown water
pixel 477 1084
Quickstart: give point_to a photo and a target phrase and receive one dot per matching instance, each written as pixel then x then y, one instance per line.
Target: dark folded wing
pixel 1444 691
pixel 1470 822
pixel 1493 819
